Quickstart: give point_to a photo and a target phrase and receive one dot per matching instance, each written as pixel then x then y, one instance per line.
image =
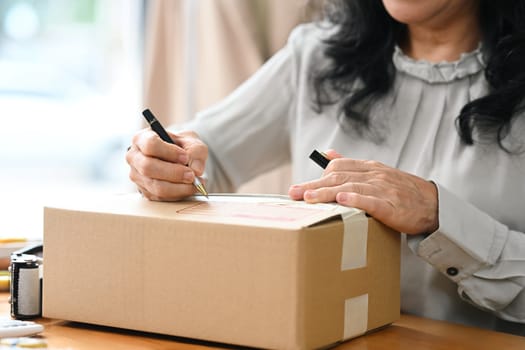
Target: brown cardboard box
pixel 248 270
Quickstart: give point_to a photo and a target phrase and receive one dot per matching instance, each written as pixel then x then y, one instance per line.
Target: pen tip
pixel 202 190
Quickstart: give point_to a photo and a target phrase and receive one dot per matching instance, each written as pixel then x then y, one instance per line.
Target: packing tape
pixel 354 240
pixel 356 316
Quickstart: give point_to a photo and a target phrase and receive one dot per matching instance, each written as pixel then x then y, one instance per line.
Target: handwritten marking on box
pixel 269 211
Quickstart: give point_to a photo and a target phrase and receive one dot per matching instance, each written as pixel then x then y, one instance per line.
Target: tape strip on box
pixel 354 240
pixel 356 316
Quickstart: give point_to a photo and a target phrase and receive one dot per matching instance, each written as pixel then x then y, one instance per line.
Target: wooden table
pixel 408 333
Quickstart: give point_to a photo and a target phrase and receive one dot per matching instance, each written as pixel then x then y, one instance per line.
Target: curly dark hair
pixel 362 46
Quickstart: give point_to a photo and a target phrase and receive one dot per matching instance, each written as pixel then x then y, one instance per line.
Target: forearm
pixel 483 256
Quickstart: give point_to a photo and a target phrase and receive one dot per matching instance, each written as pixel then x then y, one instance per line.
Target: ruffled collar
pixel 442 72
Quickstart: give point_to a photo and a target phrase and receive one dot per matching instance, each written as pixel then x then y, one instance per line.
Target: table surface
pixel 410 332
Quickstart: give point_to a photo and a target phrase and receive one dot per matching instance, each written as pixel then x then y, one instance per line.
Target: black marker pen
pixel 320 158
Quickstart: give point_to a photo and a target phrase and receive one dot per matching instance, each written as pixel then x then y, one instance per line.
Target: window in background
pixel 70 97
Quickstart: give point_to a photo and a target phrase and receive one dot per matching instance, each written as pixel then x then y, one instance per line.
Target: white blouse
pixel 477 256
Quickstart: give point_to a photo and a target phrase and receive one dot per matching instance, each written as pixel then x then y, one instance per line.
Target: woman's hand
pixel 402 201
pixel 163 171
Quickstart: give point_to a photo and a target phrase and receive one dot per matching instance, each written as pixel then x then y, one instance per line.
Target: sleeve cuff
pixel 466 241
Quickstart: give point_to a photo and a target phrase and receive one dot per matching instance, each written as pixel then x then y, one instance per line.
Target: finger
pixel 196 149
pixel 297 192
pixel 158 169
pixel 150 144
pixel 329 180
pixel 145 193
pixel 333 154
pixel 356 165
pixel 377 207
pixel 328 194
pixel 159 190
pixel 358 200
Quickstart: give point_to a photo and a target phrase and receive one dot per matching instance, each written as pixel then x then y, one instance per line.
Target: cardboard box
pixel 248 270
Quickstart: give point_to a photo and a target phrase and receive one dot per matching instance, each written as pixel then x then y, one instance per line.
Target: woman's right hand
pixel 164 171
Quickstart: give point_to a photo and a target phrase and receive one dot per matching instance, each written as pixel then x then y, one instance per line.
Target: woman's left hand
pixel 402 201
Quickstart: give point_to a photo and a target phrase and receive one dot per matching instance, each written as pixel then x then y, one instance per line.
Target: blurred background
pixel 70 89
pixel 75 76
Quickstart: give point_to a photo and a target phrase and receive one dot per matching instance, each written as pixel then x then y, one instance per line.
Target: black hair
pixel 361 49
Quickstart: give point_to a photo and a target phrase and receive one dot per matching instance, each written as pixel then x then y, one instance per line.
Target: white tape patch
pixel 354 240
pixel 356 316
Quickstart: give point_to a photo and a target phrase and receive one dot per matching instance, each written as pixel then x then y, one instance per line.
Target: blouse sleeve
pixel 248 133
pixel 483 256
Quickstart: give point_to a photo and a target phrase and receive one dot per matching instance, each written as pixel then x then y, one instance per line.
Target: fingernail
pixel 198 166
pixel 310 194
pixel 183 159
pixel 295 192
pixel 188 176
pixel 342 197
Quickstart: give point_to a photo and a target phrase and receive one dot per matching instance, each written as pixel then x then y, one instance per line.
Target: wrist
pixel 431 192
